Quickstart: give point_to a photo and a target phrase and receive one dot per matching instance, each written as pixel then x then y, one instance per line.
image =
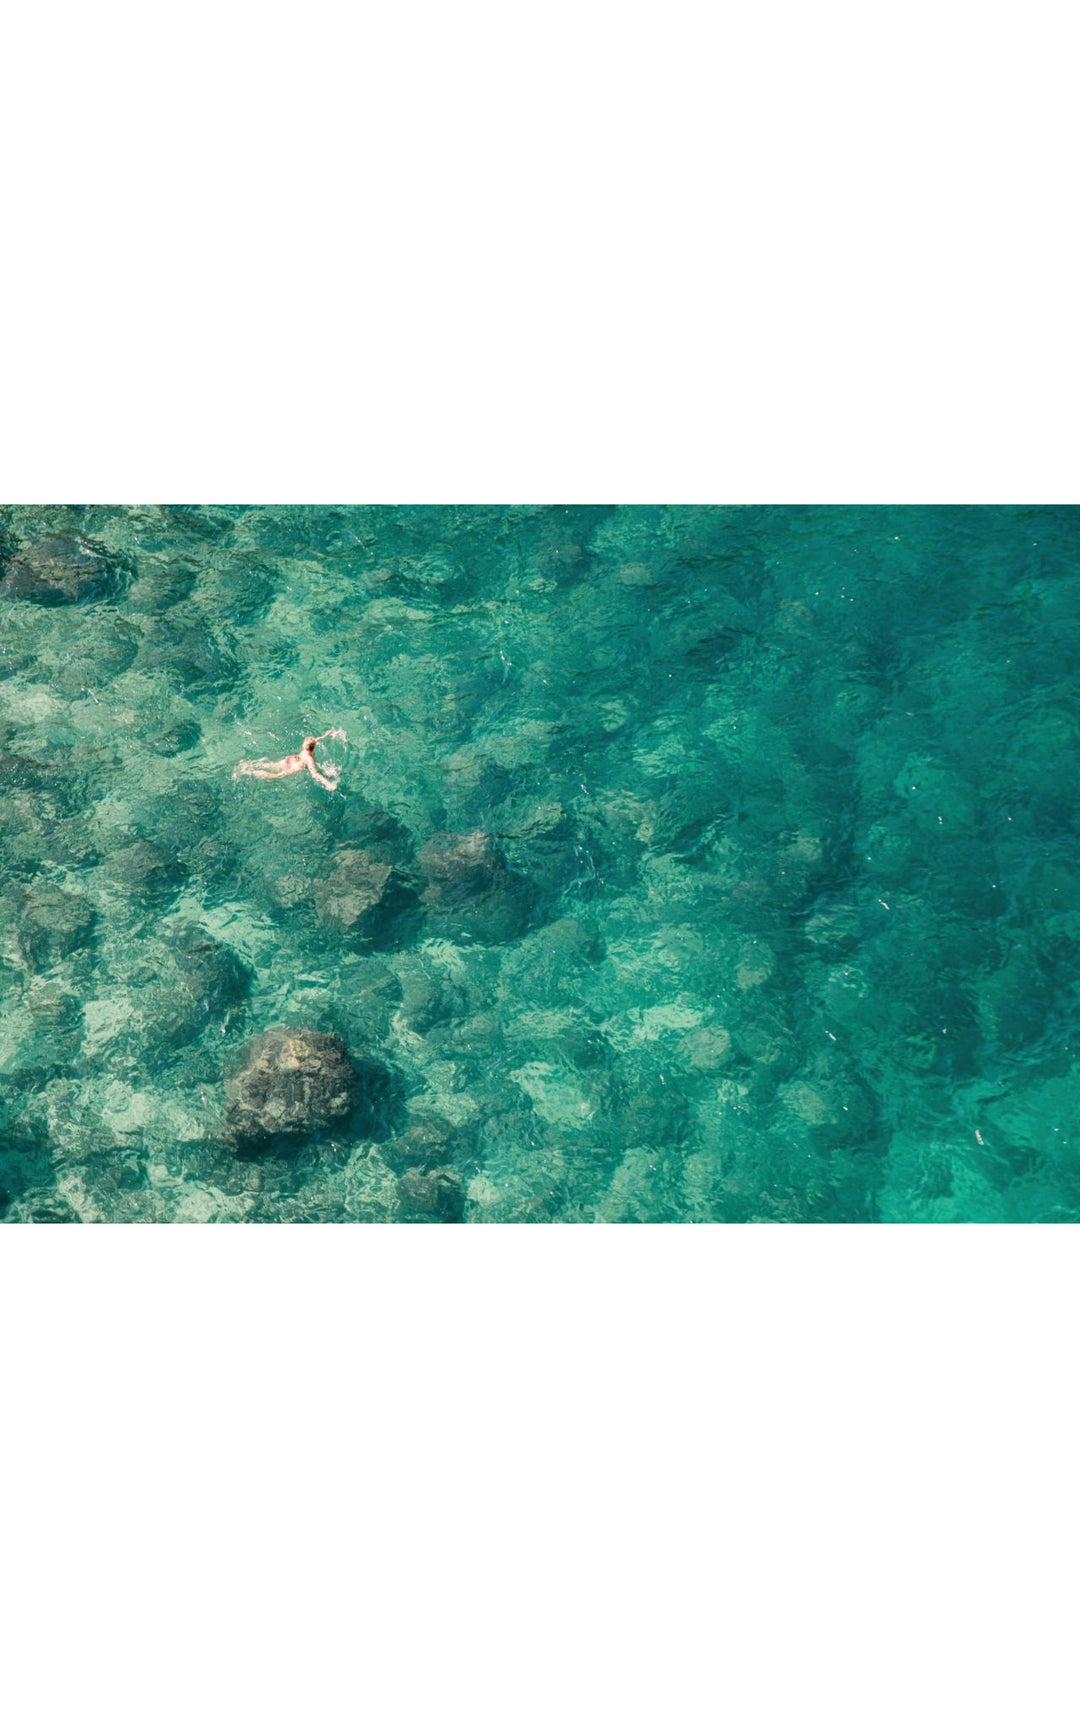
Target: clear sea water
pixel 777 812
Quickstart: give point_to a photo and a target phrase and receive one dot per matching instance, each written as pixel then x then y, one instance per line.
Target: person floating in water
pixel 264 769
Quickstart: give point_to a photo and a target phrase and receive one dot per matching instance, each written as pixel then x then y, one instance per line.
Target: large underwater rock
pixel 429 1002
pixel 430 1197
pixel 60 570
pixel 201 983
pixel 161 583
pixel 31 831
pixel 146 870
pixel 556 852
pixel 104 648
pixel 291 1083
pixel 174 737
pixel 471 892
pixel 375 832
pixel 51 924
pixel 209 969
pixel 361 895
pixel 182 649
pixel 426 1142
pixel 21 773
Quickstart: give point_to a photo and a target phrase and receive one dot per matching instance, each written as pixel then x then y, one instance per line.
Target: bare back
pixel 263 769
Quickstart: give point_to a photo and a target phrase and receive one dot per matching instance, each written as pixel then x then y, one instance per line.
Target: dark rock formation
pixel 60 570
pixel 198 523
pixel 291 1083
pixel 471 891
pixel 181 819
pixel 162 582
pixel 360 897
pixel 557 855
pixel 51 924
pixel 100 653
pixel 353 890
pixel 211 972
pixel 287 892
pixel 47 1210
pixel 182 648
pixel 430 1197
pixel 374 831
pixel 20 773
pixel 145 869
pixel 574 941
pixel 172 739
pixel 29 833
pixel 425 1143
pixel 209 983
pixel 242 587
pixel 428 1002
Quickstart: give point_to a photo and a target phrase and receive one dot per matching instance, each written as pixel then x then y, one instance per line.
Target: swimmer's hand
pixel 263 769
pixel 323 777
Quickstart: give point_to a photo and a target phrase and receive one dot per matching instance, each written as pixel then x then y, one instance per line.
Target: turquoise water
pixel 685 864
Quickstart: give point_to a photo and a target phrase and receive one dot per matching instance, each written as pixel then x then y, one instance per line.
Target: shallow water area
pixel 685 864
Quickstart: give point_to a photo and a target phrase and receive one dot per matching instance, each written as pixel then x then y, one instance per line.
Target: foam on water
pixel 763 901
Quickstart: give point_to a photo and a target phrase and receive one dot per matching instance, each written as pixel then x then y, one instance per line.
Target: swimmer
pixel 262 769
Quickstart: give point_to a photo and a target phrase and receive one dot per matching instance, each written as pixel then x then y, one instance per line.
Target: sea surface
pixel 685 865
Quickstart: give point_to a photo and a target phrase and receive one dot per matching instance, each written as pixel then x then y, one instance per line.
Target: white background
pixel 574 253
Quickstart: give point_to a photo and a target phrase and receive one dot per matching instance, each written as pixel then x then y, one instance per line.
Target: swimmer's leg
pixel 261 770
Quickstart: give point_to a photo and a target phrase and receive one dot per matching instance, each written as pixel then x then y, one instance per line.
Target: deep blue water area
pixel 683 864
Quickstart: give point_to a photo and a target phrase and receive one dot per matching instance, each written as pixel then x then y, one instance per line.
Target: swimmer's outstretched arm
pixel 331 785
pixel 263 769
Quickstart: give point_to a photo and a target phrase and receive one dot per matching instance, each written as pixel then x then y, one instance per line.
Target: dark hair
pixel 311 741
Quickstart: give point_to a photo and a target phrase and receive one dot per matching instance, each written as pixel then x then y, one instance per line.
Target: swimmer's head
pixel 310 743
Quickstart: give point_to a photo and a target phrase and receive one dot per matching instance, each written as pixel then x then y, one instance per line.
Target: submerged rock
pixel 428 1002
pixel 210 982
pixel 430 1197
pixel 375 832
pixel 174 738
pixel 425 1143
pixel 240 587
pixel 556 853
pixel 210 971
pixel 51 924
pixel 353 889
pixel 43 1210
pixel 146 869
pixel 187 653
pixel 471 890
pixel 29 833
pixel 60 570
pixel 291 1083
pixel 104 647
pixel 52 1006
pixel 181 820
pixel 161 584
pixel 361 895
pixel 293 889
pixel 21 773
